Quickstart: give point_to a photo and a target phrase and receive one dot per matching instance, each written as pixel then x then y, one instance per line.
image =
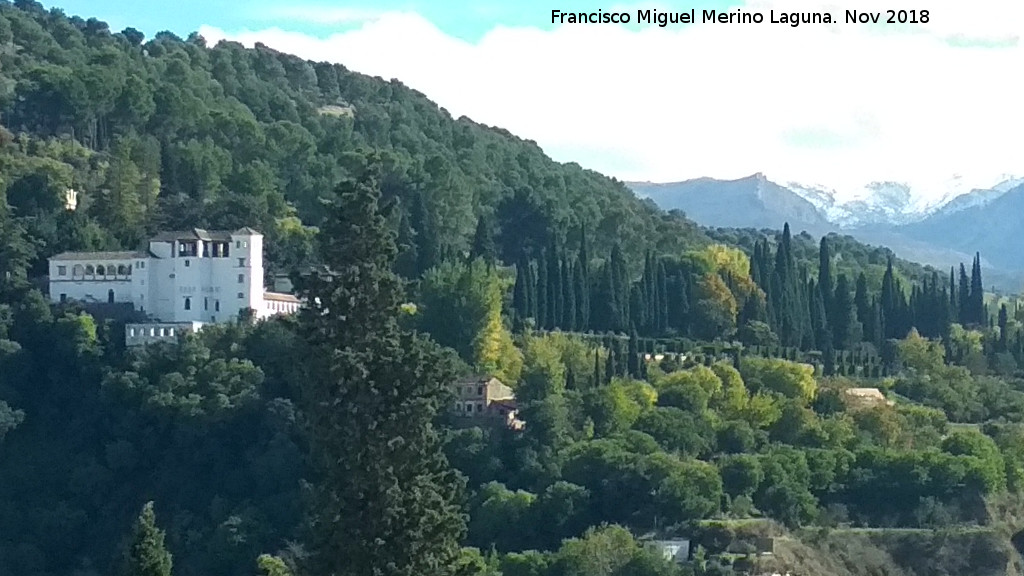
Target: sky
pixel 936 105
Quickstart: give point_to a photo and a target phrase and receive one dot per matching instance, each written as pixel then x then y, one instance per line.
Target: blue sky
pixel 834 106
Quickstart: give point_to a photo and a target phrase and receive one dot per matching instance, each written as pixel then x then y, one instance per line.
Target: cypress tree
pixel 583 304
pixel 1003 320
pixel 861 301
pixel 954 307
pixel 520 301
pixel 483 241
pixel 634 354
pixel 964 297
pixel 146 554
pixel 580 300
pixel 386 501
pixel 620 277
pixel 825 284
pixel 661 308
pixel 977 295
pixel 542 290
pixel 428 249
pixel 597 366
pixel 531 290
pixel 609 365
pixel 555 306
pixel 845 328
pixel 568 295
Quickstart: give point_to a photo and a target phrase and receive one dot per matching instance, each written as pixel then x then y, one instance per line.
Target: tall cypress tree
pixel 483 241
pixel 661 303
pixel 620 277
pixel 568 295
pixel 976 299
pixel 845 328
pixel 554 277
pixel 386 501
pixel 543 291
pixel 633 362
pixel 583 304
pixel 520 301
pixel 580 300
pixel 825 284
pixel 146 554
pixel 428 249
pixel 1003 320
pixel 964 297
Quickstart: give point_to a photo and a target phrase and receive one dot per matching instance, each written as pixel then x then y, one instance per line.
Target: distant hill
pixel 992 228
pixel 751 202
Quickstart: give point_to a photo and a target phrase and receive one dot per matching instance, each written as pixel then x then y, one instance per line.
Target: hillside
pixel 172 134
pixel 675 381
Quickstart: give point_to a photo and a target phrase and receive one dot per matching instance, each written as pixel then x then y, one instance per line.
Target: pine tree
pixel 146 554
pixel 386 500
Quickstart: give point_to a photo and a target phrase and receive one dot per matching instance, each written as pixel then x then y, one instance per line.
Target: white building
pixel 181 281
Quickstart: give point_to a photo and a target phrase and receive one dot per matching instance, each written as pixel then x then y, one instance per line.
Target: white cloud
pixel 839 105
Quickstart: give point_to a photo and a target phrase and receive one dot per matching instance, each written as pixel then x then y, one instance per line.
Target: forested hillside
pixel 675 382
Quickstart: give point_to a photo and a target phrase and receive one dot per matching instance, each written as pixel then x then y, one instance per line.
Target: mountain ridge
pixel 941 233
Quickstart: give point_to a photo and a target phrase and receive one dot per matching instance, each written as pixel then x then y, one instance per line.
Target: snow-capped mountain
pixel 898 203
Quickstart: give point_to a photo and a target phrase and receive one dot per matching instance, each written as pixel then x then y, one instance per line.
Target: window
pixel 241 262
pixel 131 332
pixel 186 264
pixel 216 305
pixel 101 271
pixel 123 270
pixel 241 278
pixel 77 270
pixel 480 390
pixel 188 303
pixel 241 294
pixel 152 332
pixel 110 296
pixel 63 297
pixel 142 264
pixel 479 407
pixel 469 406
pixel 238 244
pixel 89 270
pixel 206 303
pixel 62 270
pixel 162 333
pixel 170 331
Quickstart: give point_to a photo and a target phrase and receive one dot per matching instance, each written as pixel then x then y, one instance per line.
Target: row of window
pixel 153 332
pixel 468 407
pixel 241 263
pixel 96 270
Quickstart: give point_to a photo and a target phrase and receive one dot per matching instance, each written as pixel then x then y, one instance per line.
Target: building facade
pixel 486 398
pixel 188 278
